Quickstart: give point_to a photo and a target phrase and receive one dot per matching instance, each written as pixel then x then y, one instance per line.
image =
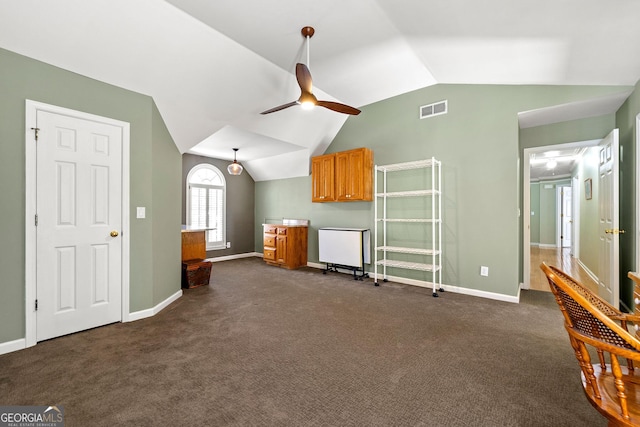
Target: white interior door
pixel 608 184
pixel 79 224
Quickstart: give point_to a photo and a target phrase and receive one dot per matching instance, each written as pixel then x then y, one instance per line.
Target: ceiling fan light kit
pixel 235 168
pixel 307 99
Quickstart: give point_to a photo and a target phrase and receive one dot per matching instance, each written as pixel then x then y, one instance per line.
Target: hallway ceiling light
pixel 551 164
pixel 235 168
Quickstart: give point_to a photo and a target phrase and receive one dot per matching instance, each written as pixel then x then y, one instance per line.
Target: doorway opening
pixel 555 241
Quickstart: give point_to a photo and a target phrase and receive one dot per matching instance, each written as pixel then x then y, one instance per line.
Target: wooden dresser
pixel 285 245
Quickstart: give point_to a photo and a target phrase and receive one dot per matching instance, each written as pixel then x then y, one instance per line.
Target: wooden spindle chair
pixel 596 327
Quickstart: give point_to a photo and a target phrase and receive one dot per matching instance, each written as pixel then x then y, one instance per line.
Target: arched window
pixel 206 200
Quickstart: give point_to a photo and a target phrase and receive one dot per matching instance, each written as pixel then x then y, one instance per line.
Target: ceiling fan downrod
pixel 307 33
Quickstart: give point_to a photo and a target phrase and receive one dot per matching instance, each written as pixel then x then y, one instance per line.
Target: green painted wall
pixel 535 212
pixel 548 214
pixel 478 143
pixel 626 122
pixel 565 132
pixel 589 213
pixel 153 272
pixel 165 212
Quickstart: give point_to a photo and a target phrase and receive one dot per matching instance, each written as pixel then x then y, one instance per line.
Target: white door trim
pixel 558 216
pixel 32 108
pixel 636 170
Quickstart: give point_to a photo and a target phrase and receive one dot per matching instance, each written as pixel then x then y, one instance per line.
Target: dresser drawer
pixel 271 229
pixel 269 241
pixel 269 254
pixel 282 231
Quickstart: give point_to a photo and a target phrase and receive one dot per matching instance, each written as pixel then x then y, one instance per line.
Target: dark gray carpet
pixel 263 346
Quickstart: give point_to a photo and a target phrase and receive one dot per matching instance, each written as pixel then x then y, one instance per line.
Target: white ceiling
pixel 564 162
pixel 213 66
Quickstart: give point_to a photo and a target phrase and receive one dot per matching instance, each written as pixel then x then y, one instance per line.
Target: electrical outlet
pixel 228 244
pixel 484 271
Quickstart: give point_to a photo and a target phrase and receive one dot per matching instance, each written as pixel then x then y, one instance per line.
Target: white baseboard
pixel 457 289
pixel 547 246
pixel 447 288
pixel 483 294
pixel 142 314
pixel 21 344
pixel 11 346
pixel 236 256
pixel 589 272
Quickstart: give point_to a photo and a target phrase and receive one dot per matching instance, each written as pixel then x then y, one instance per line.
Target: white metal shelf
pixel 408 220
pixel 408 165
pixel 432 250
pixel 411 193
pixel 402 250
pixel 408 265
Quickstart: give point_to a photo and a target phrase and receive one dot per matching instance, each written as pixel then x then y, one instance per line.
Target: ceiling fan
pixel 307 98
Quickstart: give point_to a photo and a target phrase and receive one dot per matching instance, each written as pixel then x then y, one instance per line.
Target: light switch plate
pixel 484 271
pixel 140 212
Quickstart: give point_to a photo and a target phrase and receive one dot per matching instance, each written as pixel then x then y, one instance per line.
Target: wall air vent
pixel 434 109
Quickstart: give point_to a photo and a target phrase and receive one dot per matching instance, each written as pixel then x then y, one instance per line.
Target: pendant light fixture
pixel 235 168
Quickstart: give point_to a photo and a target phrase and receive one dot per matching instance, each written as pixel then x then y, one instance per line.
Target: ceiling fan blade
pixel 340 108
pixel 280 107
pixel 304 77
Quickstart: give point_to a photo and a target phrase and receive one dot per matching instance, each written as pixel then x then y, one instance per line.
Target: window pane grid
pixel 206 188
pixel 215 209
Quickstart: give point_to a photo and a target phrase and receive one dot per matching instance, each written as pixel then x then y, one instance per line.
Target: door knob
pixel 114 233
pixel 614 231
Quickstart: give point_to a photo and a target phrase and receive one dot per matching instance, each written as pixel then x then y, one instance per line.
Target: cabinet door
pixel 322 178
pixel 353 175
pixel 281 249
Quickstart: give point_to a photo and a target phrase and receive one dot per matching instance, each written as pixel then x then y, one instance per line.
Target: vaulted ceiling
pixel 213 66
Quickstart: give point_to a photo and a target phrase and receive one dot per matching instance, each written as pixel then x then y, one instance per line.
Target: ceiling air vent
pixel 434 109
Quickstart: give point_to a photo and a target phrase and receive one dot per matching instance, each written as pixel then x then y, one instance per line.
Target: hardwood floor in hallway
pixel 561 259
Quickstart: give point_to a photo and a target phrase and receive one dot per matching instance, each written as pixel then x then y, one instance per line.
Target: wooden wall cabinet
pixel 285 245
pixel 346 176
pixel 323 178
